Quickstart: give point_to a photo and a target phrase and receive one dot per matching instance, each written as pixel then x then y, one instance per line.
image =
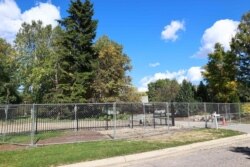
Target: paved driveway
pixel 234 126
pixel 233 155
pixel 239 127
pixel 227 153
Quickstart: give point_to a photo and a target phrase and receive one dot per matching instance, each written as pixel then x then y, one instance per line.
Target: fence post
pixel 226 115
pixel 218 106
pixel 205 108
pixel 239 111
pixel 172 114
pixel 6 121
pixel 206 116
pixel 114 120
pixel 132 116
pixel 216 122
pixel 144 118
pixel 75 121
pixel 32 125
pixel 188 115
pixel 107 120
pixel 167 114
pixel 230 115
pixel 36 117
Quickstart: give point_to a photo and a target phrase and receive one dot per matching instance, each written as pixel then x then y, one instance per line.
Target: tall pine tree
pixel 186 93
pixel 201 94
pixel 78 59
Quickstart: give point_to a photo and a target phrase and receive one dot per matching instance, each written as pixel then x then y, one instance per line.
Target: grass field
pixel 26 138
pixel 70 153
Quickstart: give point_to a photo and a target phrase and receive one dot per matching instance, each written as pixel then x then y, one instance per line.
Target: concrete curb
pixel 161 153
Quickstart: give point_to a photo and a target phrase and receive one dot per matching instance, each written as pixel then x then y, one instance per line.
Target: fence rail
pixel 38 118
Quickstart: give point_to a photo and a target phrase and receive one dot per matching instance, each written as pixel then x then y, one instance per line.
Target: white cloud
pixel 11 17
pixel 170 31
pixel 193 75
pixel 46 12
pixel 10 21
pixel 222 31
pixel 154 64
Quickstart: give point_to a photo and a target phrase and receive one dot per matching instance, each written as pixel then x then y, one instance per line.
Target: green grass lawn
pixel 26 138
pixel 70 153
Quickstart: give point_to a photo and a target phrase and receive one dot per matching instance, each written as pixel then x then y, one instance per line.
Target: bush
pixel 245 108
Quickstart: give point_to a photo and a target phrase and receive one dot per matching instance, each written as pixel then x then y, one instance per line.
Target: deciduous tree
pixel 8 84
pixel 111 82
pixel 163 90
pixel 220 75
pixel 240 46
pixel 34 46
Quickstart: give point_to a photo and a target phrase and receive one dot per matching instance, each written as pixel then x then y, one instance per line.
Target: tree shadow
pixel 242 150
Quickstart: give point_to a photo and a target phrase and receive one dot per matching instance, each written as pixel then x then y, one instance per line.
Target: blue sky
pixel 164 39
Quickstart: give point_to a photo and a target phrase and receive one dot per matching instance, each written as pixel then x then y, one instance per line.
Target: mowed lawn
pixel 54 155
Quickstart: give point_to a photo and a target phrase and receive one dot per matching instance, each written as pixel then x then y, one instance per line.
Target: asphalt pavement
pixel 231 155
pixel 239 127
pixel 225 152
pixel 198 154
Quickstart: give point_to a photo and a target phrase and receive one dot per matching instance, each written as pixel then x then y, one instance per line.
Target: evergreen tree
pixel 78 59
pixel 202 93
pixel 186 93
pixel 240 46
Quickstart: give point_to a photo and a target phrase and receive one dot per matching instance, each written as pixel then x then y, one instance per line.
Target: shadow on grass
pixel 242 150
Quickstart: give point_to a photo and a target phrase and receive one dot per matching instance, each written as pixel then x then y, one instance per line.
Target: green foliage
pixel 245 113
pixel 123 116
pixel 52 68
pixel 201 94
pixel 8 84
pixel 163 90
pixel 111 82
pixel 63 64
pixel 25 138
pixel 34 45
pixel 245 108
pixel 78 59
pixel 186 92
pixel 220 75
pixel 240 46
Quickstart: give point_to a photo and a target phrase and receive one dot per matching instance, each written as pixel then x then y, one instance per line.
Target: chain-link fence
pixel 34 124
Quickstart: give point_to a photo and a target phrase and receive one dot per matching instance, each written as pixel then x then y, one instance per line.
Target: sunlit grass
pixel 70 153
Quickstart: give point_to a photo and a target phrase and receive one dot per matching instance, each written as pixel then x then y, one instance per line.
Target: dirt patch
pixel 181 135
pixel 162 137
pixel 159 133
pixel 140 132
pixel 9 147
